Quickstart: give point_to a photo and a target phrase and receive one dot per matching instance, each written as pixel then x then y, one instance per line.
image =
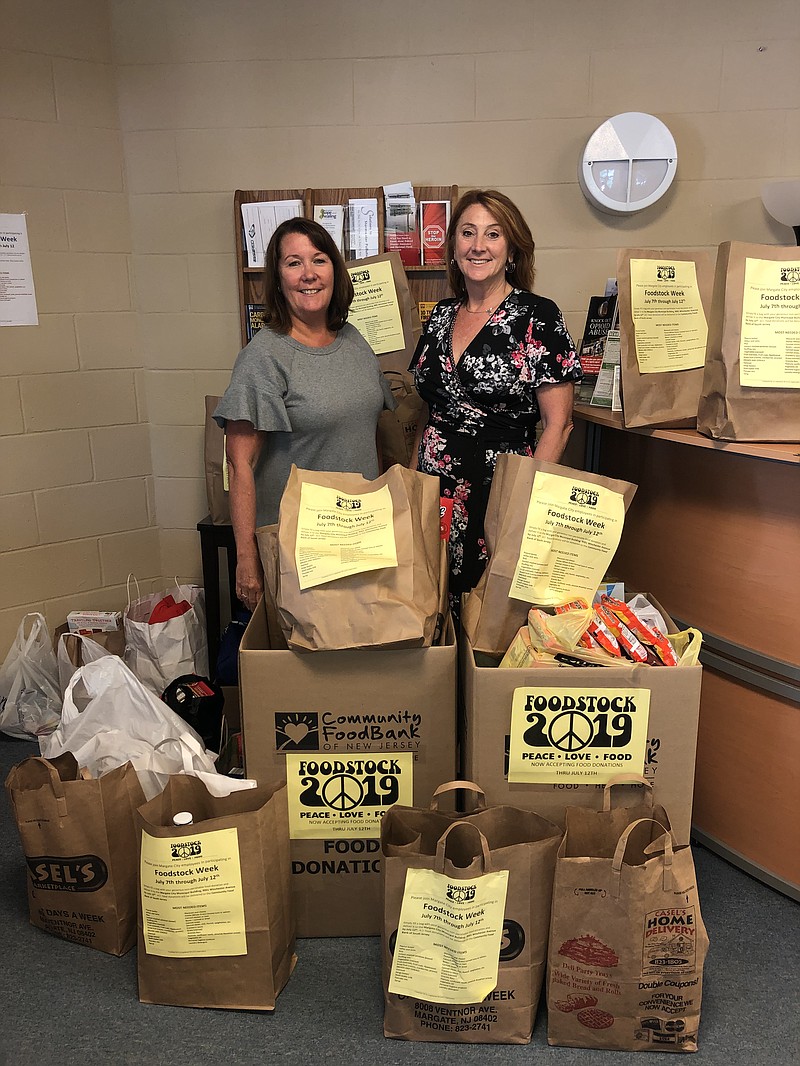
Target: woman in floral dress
pixel 493 361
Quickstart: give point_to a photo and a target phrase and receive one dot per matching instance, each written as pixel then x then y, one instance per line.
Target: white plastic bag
pixel 90 652
pixel 30 696
pixel 158 653
pixel 124 721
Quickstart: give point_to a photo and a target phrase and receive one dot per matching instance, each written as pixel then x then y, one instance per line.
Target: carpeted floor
pixel 64 1004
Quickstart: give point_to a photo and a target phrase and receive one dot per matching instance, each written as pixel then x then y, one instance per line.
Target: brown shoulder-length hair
pixel 277 315
pixel 517 231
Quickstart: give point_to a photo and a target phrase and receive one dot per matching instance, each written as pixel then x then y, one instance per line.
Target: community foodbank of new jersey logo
pixel 297 731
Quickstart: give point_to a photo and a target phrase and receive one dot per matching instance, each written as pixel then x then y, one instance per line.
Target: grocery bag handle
pixel 184 741
pixel 56 783
pixel 622 844
pixel 128 588
pixel 624 779
pixel 441 846
pixel 453 786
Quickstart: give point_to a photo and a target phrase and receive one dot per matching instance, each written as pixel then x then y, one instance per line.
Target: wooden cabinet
pixel 426 284
pixel 714 533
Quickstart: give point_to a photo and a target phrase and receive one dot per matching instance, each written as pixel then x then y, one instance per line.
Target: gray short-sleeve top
pixel 320 407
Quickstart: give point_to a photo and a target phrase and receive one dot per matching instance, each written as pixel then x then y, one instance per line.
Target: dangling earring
pixel 509 265
pixel 452 262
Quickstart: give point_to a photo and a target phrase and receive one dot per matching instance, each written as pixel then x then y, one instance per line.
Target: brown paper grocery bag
pixel 395 606
pixel 397 429
pixel 668 398
pixel 491 618
pixel 80 842
pixel 407 306
pixel 727 409
pixel 627 940
pixel 216 926
pixel 214 461
pixel 518 841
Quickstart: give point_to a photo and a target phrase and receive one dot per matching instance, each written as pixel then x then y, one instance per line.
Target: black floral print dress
pixel 483 406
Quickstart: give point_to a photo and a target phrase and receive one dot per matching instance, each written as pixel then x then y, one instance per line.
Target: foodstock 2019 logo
pixel 185 849
pixel 665 273
pixel 347 503
pixel 360 277
pixel 461 893
pixel 791 275
pixel 584 497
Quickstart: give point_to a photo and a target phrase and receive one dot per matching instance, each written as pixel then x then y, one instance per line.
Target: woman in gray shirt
pixel 306 390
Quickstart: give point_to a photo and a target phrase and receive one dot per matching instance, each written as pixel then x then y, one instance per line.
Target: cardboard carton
pixel 669 753
pixel 340 707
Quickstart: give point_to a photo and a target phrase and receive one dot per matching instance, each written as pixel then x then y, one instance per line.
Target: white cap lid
pixel 183 818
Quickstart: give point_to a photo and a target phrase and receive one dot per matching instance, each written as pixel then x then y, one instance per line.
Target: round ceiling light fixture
pixel 628 163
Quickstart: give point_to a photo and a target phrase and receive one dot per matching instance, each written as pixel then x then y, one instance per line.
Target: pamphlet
pixel 331 218
pixel 434 218
pixel 191 890
pixel 607 384
pixel 571 532
pixel 340 534
pixel 260 221
pixel 600 318
pixel 17 294
pixel 449 936
pixel 400 227
pixel 362 228
pixel 255 319
pixel 375 310
pixel 425 308
pixel 769 349
pixel 668 319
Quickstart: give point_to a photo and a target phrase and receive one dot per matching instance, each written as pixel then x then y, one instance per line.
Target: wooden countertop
pixel 781 453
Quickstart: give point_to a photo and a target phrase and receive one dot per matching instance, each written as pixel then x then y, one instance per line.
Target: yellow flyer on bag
pixel 340 534
pixel 448 938
pixel 345 797
pixel 581 735
pixel 769 349
pixel 192 904
pixel 668 317
pixel 571 532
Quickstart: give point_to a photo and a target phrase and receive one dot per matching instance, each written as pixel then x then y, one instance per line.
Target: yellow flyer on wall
pixel 191 888
pixel 668 317
pixel 571 533
pixel 375 311
pixel 447 948
pixel 345 797
pixel 769 349
pixel 580 735
pixel 339 534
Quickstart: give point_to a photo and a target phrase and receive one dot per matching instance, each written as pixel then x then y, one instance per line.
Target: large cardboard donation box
pixel 351 733
pixel 626 719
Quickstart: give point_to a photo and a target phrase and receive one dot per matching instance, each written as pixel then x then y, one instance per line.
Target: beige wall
pixel 75 468
pixel 128 143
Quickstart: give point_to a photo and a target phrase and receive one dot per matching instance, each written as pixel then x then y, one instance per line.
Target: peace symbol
pixel 342 792
pixel 570 731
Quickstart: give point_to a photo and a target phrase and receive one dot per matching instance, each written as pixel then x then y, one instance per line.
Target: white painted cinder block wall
pixel 126 125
